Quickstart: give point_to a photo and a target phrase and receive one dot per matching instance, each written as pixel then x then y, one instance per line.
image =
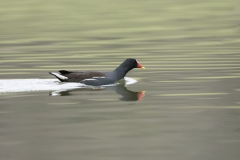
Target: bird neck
pixel 121 71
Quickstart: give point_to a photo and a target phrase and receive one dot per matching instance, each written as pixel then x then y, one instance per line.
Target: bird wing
pixel 73 76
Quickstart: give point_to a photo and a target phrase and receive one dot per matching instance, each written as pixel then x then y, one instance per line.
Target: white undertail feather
pixel 59 76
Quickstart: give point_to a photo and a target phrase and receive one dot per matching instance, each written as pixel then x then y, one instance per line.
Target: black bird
pixel 97 78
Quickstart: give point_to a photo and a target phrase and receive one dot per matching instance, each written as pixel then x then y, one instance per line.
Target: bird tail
pixel 59 76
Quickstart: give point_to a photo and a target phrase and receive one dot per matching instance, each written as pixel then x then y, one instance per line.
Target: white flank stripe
pixel 99 77
pixel 89 79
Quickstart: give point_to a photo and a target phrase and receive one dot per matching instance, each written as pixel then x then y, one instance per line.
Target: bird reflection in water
pixel 120 89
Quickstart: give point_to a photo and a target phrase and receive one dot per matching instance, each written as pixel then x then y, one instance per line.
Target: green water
pixel 191 105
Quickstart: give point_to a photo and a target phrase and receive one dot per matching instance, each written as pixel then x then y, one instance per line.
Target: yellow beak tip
pixel 142 67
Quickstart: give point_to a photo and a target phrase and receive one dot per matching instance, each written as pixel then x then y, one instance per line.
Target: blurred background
pixel 191 107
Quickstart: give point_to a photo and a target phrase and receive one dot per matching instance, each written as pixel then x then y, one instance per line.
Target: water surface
pixel 191 106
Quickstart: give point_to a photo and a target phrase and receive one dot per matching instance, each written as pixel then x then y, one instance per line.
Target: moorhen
pixel 97 78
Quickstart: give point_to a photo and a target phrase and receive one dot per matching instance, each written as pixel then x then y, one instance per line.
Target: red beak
pixel 140 66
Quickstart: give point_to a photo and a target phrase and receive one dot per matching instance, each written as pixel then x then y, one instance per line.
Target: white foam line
pixel 27 85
